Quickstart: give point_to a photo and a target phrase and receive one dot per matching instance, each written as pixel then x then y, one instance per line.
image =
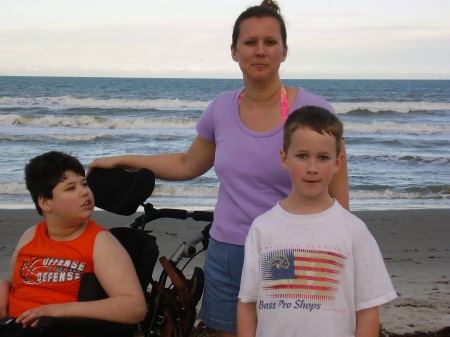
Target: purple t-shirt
pixel 247 164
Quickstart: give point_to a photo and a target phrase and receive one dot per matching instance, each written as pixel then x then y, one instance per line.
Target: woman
pixel 240 134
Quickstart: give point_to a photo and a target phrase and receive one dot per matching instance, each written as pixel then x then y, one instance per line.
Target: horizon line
pixel 233 78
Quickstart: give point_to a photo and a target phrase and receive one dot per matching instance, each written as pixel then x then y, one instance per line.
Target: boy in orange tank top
pixel 51 257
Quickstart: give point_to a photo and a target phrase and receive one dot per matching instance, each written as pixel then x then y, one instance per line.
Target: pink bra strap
pixel 241 96
pixel 283 101
pixel 284 104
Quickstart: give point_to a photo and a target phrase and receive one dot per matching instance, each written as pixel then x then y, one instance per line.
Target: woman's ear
pixel 283 57
pixel 234 54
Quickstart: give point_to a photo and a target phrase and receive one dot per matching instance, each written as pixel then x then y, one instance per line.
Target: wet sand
pixel 415 245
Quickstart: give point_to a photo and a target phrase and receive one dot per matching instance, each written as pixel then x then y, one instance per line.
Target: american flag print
pixel 302 274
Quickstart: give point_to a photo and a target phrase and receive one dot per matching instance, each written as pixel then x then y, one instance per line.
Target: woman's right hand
pixel 105 163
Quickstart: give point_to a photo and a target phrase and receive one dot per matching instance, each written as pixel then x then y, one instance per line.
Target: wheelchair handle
pixel 151 214
pixel 188 248
pixel 202 216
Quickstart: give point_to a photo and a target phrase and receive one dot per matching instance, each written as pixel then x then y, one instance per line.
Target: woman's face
pixel 259 49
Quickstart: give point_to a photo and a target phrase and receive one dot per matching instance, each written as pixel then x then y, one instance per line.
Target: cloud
pixel 327 40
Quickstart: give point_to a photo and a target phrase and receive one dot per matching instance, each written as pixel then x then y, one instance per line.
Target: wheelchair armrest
pixel 64 326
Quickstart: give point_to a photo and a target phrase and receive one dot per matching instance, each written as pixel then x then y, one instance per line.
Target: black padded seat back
pixel 142 249
pixel 120 191
pixel 144 253
pixel 90 289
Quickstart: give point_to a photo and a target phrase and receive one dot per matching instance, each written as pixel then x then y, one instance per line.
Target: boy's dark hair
pixel 45 171
pixel 267 8
pixel 316 118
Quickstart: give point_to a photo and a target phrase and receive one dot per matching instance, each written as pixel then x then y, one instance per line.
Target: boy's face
pixel 311 161
pixel 72 199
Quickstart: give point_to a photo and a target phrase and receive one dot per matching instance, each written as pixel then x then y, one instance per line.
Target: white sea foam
pixel 375 107
pixel 197 191
pixel 391 195
pixel 396 127
pixel 67 102
pixel 429 160
pixel 161 190
pixel 93 122
pixel 13 189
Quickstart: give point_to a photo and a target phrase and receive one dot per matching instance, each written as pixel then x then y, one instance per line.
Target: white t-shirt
pixel 309 274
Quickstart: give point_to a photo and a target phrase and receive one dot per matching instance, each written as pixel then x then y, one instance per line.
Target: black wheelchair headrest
pixel 120 191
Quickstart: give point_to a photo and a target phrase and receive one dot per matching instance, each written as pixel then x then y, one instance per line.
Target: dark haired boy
pixel 51 257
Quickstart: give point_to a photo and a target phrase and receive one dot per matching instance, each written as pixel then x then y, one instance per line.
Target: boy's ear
pixel 44 203
pixel 338 162
pixel 283 158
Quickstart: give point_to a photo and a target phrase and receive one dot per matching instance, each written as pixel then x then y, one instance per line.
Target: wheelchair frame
pixel 188 249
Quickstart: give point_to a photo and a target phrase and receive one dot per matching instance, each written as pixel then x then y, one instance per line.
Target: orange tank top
pixel 48 271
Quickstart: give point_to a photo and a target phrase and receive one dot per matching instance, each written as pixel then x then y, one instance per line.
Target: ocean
pixel 397 132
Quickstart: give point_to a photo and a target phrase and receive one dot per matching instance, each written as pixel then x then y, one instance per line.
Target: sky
pixel 327 39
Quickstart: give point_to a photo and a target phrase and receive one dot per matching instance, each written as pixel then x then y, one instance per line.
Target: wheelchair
pixel 172 298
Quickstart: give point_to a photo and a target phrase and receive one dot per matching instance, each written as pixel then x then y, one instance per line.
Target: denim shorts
pixel 223 268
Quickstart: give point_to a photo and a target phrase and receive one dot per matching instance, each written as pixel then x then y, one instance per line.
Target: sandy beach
pixel 414 243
